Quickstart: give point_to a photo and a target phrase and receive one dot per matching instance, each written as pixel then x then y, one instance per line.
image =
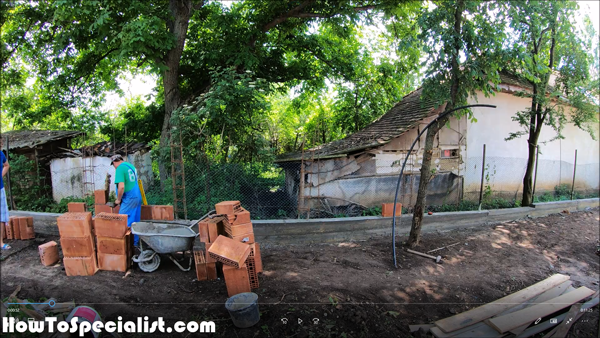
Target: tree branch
pixel 291 13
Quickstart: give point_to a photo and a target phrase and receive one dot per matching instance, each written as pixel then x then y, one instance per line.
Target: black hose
pixel 404 164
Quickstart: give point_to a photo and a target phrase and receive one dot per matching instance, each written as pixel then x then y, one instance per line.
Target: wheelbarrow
pixel 164 238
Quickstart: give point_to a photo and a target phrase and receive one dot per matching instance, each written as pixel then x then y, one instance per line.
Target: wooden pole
pixel 482 177
pixel 537 156
pixel 574 171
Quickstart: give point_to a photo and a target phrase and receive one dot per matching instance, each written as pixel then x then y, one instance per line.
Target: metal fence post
pixel 482 176
pixel 574 170
pixel 537 156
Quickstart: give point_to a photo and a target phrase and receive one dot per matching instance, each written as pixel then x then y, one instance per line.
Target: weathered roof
pixel 105 149
pixel 31 138
pixel 405 115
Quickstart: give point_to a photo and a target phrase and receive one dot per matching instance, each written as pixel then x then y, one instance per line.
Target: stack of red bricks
pixel 101 203
pixel 157 212
pixel 229 240
pixel 19 228
pixel 77 242
pixel 114 242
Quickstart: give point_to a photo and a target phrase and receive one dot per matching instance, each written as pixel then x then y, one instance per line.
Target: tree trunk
pixel 181 10
pixel 415 230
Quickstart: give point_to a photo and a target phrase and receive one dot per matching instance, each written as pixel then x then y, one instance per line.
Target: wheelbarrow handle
pixel 201 218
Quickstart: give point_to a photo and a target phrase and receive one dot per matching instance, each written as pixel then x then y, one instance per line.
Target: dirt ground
pixel 352 289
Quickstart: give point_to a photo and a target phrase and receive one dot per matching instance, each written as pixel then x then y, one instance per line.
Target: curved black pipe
pixel 404 163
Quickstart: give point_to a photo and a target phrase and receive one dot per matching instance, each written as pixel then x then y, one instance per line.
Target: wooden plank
pixel 478 330
pixel 488 310
pixel 544 296
pixel 546 325
pixel 510 321
pixel 550 294
pixel 561 330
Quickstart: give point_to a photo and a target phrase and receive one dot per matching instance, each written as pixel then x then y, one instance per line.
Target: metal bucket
pixel 243 309
pixel 87 314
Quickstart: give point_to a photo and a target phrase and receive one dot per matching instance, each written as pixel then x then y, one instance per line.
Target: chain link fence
pixel 326 188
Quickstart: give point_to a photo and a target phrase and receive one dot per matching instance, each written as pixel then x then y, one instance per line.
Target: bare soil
pixel 353 289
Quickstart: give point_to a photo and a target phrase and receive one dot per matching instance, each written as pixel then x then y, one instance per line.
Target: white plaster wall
pixel 67 174
pixel 507 160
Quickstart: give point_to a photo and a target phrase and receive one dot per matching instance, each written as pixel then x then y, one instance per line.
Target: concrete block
pixel 48 253
pixel 236 279
pixel 80 266
pixel 75 224
pixel 77 246
pixel 76 207
pixel 229 251
pixel 111 225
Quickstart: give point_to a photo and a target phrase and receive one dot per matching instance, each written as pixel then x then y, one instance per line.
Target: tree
pixel 547 43
pixel 462 39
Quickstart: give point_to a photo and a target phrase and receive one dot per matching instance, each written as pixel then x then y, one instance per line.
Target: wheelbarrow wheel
pixel 150 265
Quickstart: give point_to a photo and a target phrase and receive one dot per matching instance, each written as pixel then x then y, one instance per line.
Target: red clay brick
pixel 245 238
pixel 100 197
pixel 242 217
pixel 76 207
pixel 213 232
pixel 113 246
pixel 75 224
pixel 110 262
pixel 80 266
pixel 387 209
pixel 201 271
pixel 227 207
pixel 236 280
pixel 208 258
pixel 146 213
pixel 111 225
pixel 48 253
pixel 9 228
pixel 257 257
pixel 77 246
pixel 26 227
pixel 203 232
pixel 229 252
pixel 211 271
pixel 252 271
pixel 241 229
pixel 163 212
pixel 16 228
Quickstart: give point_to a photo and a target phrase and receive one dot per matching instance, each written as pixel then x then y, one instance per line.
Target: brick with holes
pixel 241 229
pixel 146 213
pixel 113 246
pixel 252 272
pixel 77 246
pixel 26 228
pixel 100 197
pixel 211 271
pixel 111 225
pixel 108 262
pixel 387 209
pixel 16 228
pixel 229 251
pixel 48 253
pixel 76 207
pixel 236 279
pixel 227 207
pixel 75 224
pixel 100 208
pixel 242 217
pixel 80 266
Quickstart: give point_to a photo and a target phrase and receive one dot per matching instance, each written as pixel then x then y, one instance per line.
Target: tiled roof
pixel 31 138
pixel 404 116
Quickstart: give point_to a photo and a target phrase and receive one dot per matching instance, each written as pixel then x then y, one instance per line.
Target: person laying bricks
pixel 3 203
pixel 128 191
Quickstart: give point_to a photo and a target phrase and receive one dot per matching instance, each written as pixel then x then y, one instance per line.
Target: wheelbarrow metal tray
pixel 164 238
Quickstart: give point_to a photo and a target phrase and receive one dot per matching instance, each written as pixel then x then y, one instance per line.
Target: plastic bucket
pixel 243 309
pixel 85 313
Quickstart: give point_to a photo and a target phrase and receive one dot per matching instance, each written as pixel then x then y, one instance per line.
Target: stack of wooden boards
pixel 19 228
pixel 517 314
pixel 226 242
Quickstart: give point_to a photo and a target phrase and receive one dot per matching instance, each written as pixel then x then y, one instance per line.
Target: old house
pixel 362 169
pixel 38 146
pixel 78 172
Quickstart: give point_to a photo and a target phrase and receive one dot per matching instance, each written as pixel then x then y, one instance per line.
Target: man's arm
pixel 5 168
pixel 120 192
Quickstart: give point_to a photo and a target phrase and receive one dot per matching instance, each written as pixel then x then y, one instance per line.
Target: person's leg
pixel 3 218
